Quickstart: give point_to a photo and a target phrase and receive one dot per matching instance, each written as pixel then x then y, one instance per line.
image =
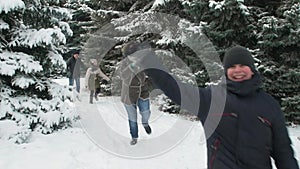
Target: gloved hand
pixel 133 67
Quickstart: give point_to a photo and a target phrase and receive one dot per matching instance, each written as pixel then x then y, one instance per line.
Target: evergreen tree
pixel 33 34
pixel 81 24
pixel 270 29
pixel 224 22
pixel 279 39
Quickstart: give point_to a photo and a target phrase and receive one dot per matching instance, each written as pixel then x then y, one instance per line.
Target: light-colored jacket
pixel 91 75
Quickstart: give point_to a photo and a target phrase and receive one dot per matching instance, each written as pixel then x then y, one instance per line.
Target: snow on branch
pixel 45 114
pixel 50 118
pixel 66 27
pixel 171 28
pixel 57 59
pixel 23 82
pixel 3 25
pixel 33 37
pixel 57 90
pixel 63 13
pixel 10 62
pixel 157 3
pixel 9 5
pixel 217 5
pixel 106 12
pixel 10 130
pixel 221 5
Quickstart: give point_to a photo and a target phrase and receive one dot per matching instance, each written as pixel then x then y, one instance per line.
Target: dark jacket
pixel 243 124
pixel 134 86
pixel 73 66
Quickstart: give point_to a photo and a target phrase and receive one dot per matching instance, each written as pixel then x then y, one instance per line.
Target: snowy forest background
pixel 37 36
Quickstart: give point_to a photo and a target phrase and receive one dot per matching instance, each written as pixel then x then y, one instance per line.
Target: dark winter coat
pixel 73 66
pixel 244 125
pixel 134 86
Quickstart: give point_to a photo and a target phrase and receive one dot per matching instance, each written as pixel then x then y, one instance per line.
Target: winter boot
pixel 133 141
pixel 148 129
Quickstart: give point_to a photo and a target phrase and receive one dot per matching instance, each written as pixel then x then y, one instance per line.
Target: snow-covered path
pixel 174 143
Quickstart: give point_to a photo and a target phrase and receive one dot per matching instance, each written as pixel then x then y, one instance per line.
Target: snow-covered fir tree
pixel 279 38
pixel 33 35
pixel 81 23
pixel 270 29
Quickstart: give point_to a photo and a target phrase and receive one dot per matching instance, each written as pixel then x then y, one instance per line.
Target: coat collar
pixel 245 88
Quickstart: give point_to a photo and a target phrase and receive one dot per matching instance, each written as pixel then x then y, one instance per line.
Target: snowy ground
pixel 100 140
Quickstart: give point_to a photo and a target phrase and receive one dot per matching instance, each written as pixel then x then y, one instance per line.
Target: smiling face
pixel 239 73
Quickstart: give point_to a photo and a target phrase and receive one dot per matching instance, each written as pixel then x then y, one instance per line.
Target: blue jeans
pixel 144 108
pixel 77 81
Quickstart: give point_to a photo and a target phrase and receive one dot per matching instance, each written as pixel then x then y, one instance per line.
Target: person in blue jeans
pixel 144 107
pixel 134 94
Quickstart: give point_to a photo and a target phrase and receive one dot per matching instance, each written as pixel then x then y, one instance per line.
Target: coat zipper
pixel 215 146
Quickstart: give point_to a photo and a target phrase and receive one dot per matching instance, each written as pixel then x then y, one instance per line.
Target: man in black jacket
pixel 73 65
pixel 243 124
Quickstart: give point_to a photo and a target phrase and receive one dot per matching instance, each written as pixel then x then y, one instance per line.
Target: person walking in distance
pixel 92 73
pixel 134 94
pixel 74 65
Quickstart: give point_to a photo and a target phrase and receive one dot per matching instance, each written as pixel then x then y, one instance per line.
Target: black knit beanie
pixel 134 46
pixel 76 52
pixel 238 55
pixel 130 48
